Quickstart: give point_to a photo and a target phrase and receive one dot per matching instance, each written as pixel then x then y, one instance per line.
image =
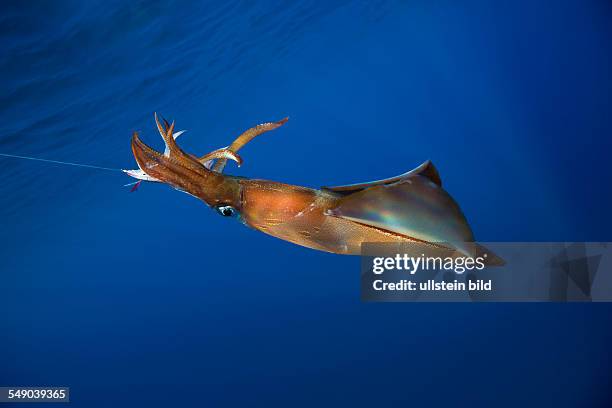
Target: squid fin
pixel 427 170
pixel 413 206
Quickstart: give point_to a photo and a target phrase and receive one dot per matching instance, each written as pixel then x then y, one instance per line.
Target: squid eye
pixel 226 210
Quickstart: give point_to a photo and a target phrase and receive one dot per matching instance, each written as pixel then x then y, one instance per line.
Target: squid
pixel 411 208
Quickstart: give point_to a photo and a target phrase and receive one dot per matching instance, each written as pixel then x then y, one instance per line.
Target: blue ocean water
pixel 152 299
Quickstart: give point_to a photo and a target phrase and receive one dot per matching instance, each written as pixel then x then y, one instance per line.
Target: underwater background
pixel 150 298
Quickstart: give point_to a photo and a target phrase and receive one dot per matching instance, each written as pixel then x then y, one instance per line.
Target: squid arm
pixel 166 130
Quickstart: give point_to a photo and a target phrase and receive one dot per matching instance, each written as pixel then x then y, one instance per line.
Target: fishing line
pixel 90 166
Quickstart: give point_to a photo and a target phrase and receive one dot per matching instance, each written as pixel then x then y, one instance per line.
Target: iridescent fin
pixel 427 170
pixel 414 207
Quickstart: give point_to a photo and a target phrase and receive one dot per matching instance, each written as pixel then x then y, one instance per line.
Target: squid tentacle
pixel 245 138
pixel 220 154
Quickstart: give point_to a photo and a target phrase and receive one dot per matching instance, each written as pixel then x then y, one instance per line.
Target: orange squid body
pixel 301 215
